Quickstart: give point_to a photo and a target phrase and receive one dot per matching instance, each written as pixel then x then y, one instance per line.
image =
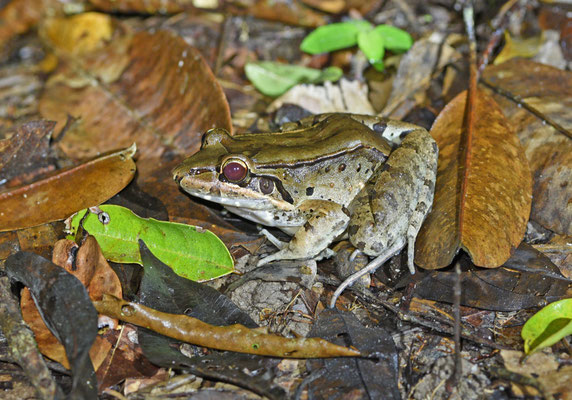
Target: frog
pixel 324 178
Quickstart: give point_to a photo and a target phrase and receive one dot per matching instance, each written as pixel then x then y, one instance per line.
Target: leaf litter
pixel 95 75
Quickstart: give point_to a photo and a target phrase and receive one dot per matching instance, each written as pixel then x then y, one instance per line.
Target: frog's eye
pixel 235 170
pixel 266 185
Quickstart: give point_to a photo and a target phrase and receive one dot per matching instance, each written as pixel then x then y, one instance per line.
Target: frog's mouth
pixel 230 195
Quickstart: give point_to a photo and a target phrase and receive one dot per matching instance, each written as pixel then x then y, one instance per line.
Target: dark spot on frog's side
pixel 308 227
pixel 352 229
pixel 309 191
pixel 341 167
pixel 405 133
pixel 379 127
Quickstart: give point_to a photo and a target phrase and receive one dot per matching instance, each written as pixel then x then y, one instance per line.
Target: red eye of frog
pixel 235 171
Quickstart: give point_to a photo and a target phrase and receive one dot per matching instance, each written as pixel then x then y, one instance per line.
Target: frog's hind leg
pixel 427 149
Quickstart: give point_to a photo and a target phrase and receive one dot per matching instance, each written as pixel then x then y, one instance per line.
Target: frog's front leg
pixel 389 210
pixel 326 221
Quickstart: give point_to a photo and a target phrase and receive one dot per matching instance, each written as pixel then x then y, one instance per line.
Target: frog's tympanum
pixel 320 178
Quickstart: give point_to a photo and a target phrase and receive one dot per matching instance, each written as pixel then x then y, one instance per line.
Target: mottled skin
pixel 330 174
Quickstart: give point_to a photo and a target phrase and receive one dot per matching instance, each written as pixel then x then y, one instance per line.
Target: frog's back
pixel 334 135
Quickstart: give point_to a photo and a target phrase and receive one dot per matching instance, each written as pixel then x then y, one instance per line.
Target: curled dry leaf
pixel 489 220
pixel 235 337
pixel 150 88
pixel 93 271
pixel 66 192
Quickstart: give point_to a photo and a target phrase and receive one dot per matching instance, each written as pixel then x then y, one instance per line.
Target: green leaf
pixel 334 36
pixel 395 39
pixel 274 78
pixel 371 43
pixel 548 326
pixel 193 253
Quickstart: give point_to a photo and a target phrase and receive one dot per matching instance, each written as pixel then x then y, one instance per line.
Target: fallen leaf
pixel 415 71
pixel 150 88
pixel 518 47
pixel 483 190
pixel 236 337
pixel 125 361
pixel 18 16
pixel 548 326
pixel 66 309
pixel 24 350
pixel 528 279
pixel 58 196
pixel 535 98
pixel 194 253
pixel 90 267
pixel 26 153
pixel 343 96
pixel 165 291
pixel 354 377
pixel 78 34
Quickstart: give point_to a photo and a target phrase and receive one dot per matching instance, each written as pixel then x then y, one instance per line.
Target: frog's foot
pixel 368 269
pixel 273 239
pixel 327 221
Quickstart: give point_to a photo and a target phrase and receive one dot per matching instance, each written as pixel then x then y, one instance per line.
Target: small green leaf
pixel 193 253
pixel 371 43
pixel 395 39
pixel 334 37
pixel 273 78
pixel 548 326
pixel 378 65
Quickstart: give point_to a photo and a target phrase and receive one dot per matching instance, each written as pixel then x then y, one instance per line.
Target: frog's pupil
pixel 234 171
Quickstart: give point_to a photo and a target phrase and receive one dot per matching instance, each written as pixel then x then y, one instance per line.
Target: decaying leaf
pixel 60 195
pixel 528 279
pixel 78 34
pixel 153 89
pixel 163 290
pixel 536 99
pixel 354 377
pixel 483 190
pixel 518 47
pixel 66 309
pixel 93 271
pixel 26 152
pixel 24 350
pixel 233 337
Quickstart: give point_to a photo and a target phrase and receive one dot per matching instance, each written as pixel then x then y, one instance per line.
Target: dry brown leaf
pixel 489 221
pixel 25 154
pixel 235 337
pixel 91 268
pixel 519 47
pixel 18 16
pixel 150 88
pixel 536 99
pixel 68 191
pixel 78 34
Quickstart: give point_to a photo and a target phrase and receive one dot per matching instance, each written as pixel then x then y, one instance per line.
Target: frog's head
pixel 222 172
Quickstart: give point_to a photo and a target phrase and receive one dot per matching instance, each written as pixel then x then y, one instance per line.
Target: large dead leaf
pixel 483 190
pixel 60 195
pixel 150 88
pixel 26 152
pixel 536 99
pixel 93 271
